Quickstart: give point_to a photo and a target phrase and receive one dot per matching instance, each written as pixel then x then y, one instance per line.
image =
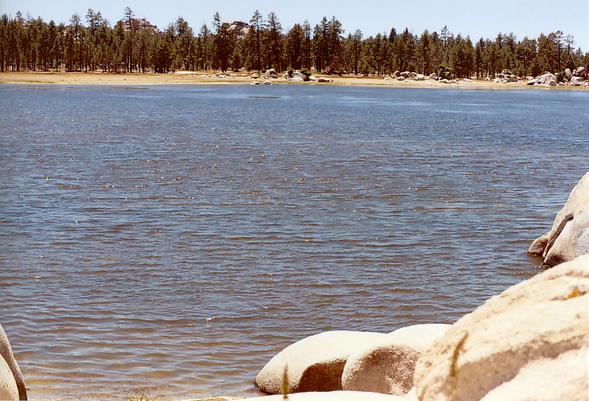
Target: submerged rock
pixel 569 235
pixel 528 343
pixel 388 366
pixel 314 363
pixel 16 374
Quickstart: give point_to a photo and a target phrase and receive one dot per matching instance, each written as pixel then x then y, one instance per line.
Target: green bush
pixel 445 72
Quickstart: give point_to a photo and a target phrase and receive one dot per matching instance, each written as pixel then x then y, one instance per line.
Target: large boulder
pixel 388 366
pixel 8 357
pixel 314 363
pixel 569 235
pixel 577 81
pixel 271 73
pixel 298 76
pixel 528 343
pixel 547 79
pixel 580 72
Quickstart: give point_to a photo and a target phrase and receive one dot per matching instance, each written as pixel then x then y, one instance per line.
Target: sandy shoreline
pixel 201 78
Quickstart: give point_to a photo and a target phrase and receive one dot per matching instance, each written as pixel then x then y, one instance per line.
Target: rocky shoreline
pixel 412 81
pixel 531 342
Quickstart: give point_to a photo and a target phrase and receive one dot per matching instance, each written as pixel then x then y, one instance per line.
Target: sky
pixel 468 17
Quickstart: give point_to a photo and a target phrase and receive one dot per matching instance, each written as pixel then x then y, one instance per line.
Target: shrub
pixel 445 72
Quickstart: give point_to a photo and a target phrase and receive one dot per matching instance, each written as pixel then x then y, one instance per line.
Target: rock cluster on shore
pixel 578 77
pixel 506 76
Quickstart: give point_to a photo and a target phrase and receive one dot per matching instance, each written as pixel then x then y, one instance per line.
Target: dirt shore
pixel 191 78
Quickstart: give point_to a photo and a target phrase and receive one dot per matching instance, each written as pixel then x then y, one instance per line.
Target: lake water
pixel 168 241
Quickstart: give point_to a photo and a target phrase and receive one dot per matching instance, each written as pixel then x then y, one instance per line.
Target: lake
pixel 169 240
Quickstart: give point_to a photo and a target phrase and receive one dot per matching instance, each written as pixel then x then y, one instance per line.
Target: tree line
pixel 134 45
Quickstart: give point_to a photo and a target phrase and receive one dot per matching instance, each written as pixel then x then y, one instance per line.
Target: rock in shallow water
pixel 388 366
pixel 314 363
pixel 569 235
pixel 528 343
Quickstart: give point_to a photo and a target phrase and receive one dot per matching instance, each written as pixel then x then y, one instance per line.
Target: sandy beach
pixel 204 78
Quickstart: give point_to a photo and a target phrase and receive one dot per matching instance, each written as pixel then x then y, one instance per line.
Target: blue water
pixel 168 241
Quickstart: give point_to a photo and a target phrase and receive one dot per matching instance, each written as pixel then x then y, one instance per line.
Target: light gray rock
pixel 528 343
pixel 271 73
pixel 547 79
pixel 569 235
pixel 299 76
pixel 577 81
pixel 568 73
pixel 8 356
pixel 388 366
pixel 314 363
pixel 8 388
pixel 580 72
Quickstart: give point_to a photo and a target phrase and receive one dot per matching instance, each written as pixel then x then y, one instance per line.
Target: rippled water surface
pixel 169 240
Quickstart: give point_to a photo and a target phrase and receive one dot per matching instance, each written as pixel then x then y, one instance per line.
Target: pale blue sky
pixel 475 18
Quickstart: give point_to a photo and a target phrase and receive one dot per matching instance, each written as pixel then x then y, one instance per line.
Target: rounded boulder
pixel 8 388
pixel 569 235
pixel 388 366
pixel 314 363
